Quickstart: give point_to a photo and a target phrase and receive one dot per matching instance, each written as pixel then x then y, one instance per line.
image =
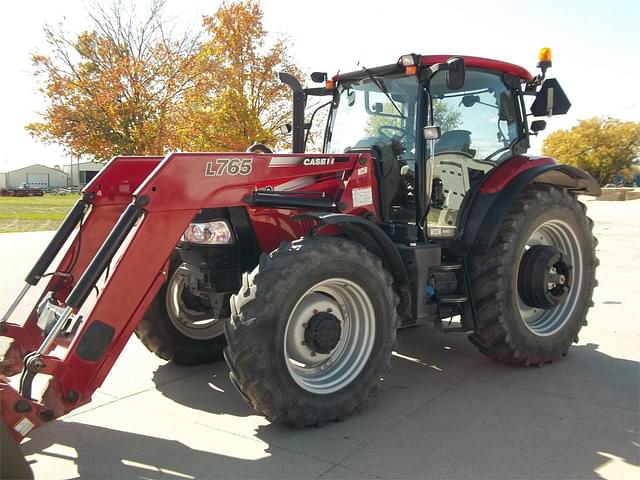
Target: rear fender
pixel 498 192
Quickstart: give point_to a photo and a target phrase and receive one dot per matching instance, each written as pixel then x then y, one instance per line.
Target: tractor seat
pixel 455 141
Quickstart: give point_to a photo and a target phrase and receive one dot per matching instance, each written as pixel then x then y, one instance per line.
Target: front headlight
pixel 215 232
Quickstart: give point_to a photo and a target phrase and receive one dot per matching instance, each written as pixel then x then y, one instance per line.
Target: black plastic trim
pixel 362 74
pixel 488 211
pixel 95 341
pixel 108 249
pixel 281 200
pixel 368 234
pixel 64 230
pixel 248 247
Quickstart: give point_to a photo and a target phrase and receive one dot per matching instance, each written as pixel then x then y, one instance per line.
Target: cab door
pixel 479 128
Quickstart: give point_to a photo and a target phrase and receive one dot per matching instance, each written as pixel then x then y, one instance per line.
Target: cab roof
pixel 428 60
pixel 480 62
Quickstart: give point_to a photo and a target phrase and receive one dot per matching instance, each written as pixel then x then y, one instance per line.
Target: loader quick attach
pixel 299 268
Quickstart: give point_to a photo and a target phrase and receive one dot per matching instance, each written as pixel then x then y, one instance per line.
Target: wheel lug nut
pixel 329 310
pixel 304 325
pixel 313 354
pixel 315 311
pixel 303 342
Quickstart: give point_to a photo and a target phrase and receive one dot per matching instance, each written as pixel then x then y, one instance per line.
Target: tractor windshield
pixel 378 114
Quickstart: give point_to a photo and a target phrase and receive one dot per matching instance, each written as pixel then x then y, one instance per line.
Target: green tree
pixel 443 117
pixel 602 147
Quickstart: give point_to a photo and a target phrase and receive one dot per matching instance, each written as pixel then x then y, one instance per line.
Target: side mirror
pixel 319 77
pixel 455 73
pixel 538 126
pixel 470 100
pixel 286 128
pixel 550 100
pixel 351 97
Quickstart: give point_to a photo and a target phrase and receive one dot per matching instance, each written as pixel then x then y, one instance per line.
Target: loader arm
pixel 133 251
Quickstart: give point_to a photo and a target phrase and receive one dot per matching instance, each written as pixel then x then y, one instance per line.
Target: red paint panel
pixel 500 176
pixel 362 183
pixel 475 62
pixel 183 180
pixel 120 177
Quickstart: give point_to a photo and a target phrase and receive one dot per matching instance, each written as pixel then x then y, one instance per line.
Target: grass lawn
pixel 29 214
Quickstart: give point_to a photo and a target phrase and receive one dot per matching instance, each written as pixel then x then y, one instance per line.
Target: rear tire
pixel 508 329
pixel 176 333
pixel 311 331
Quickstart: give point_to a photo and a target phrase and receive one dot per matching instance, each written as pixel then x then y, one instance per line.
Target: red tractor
pixel 299 268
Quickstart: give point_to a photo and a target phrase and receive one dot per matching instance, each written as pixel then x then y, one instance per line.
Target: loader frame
pixel 129 219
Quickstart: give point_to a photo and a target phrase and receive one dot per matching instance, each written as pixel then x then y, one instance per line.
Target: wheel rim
pixel 324 373
pixel 192 323
pixel 559 234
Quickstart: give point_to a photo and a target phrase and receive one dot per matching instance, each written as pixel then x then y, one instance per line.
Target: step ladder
pixel 458 303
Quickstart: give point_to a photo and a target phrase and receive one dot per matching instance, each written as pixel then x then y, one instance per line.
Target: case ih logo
pixel 318 161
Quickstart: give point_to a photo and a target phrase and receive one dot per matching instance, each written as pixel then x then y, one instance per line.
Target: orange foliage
pixel 128 87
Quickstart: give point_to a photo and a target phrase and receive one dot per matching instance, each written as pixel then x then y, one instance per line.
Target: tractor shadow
pixel 76 450
pixel 589 400
pixel 444 411
pixel 209 391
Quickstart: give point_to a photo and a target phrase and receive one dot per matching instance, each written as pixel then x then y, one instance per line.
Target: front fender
pixel 368 234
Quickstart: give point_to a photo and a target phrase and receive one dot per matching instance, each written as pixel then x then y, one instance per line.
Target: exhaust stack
pixel 298 110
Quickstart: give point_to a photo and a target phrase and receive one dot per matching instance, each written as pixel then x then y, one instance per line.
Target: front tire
pixel 174 331
pixel 311 331
pixel 523 317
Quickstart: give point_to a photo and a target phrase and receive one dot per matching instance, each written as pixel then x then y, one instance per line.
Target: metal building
pixel 39 176
pixel 81 173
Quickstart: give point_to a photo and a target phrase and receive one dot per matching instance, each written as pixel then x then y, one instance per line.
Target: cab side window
pixel 479 120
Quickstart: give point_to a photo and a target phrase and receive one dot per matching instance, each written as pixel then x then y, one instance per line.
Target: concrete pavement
pixel 445 411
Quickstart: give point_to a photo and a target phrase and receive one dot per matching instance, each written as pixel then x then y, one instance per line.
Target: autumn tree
pixel 601 146
pixel 131 84
pixel 247 101
pixel 111 90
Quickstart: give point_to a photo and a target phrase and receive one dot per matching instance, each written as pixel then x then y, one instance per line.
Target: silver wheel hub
pixel 329 336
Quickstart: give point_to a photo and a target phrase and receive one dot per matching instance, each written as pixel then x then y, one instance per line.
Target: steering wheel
pixel 258 148
pixel 400 133
pixel 393 128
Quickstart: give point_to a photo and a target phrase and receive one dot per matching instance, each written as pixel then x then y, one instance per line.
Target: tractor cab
pixel 425 178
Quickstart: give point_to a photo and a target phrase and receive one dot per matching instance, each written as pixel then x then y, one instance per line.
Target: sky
pixel 596 46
